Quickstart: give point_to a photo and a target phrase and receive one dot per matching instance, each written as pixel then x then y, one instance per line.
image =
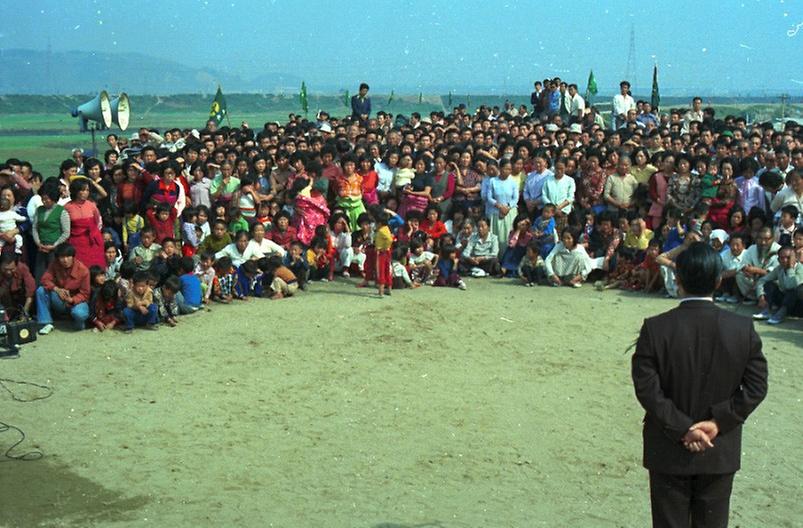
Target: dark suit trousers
pixel 684 501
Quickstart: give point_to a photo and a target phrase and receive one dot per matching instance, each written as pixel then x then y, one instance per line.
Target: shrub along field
pixel 497 406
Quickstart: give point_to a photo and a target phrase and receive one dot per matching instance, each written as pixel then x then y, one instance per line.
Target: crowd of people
pixel 164 224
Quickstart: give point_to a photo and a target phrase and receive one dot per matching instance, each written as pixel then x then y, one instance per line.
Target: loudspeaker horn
pixel 121 110
pixel 98 110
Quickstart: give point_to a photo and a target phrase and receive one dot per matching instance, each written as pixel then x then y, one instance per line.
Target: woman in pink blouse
pixel 657 189
pixel 85 225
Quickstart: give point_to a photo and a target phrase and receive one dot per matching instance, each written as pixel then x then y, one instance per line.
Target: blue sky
pixel 704 47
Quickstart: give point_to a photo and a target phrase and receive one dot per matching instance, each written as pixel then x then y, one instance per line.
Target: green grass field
pixel 501 406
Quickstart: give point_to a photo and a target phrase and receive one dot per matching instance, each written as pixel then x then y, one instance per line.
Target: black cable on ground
pixel 4 427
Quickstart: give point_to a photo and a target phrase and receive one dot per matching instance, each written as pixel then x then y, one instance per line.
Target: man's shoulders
pixel 679 312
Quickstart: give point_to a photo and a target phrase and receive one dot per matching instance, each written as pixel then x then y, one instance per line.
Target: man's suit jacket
pixel 697 362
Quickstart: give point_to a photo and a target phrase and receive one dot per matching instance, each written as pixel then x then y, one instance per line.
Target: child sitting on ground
pixel 531 267
pixel 225 280
pixel 190 294
pixel 398 265
pixel 447 269
pixel 421 263
pixel 140 308
pixel 166 300
pixel 106 311
pixel 284 283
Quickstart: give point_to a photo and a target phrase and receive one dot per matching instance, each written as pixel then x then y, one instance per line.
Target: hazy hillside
pixel 37 72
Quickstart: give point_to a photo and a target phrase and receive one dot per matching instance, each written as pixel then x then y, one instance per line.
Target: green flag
pixel 346 99
pixel 303 98
pixel 420 97
pixel 218 110
pixel 655 100
pixel 450 99
pixel 390 99
pixel 592 86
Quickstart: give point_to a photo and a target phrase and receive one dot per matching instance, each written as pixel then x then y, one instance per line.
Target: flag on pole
pixel 303 98
pixel 390 99
pixel 218 110
pixel 655 100
pixel 450 99
pixel 346 98
pixel 468 101
pixel 592 87
pixel 420 97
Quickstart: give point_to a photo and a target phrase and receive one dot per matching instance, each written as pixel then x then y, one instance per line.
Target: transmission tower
pixel 630 72
pixel 48 76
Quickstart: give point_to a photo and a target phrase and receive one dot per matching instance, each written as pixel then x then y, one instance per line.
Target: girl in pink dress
pixel 310 209
pixel 85 225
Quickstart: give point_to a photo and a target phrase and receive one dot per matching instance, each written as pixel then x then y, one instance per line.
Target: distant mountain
pixel 39 72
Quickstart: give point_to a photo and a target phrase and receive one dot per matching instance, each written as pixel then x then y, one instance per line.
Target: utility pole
pixel 783 98
pixel 630 72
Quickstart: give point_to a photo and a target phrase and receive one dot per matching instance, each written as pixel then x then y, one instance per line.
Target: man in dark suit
pixel 698 372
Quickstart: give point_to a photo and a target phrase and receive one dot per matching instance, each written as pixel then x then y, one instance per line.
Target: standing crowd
pixel 167 223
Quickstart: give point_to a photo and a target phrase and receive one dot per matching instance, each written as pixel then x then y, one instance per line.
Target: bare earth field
pixel 501 406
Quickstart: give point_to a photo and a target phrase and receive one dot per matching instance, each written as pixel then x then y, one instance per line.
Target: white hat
pixel 720 234
pixel 552 127
pixel 325 127
pixel 194 133
pixel 576 129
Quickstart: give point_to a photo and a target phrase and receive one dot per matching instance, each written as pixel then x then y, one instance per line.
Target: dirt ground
pixel 500 406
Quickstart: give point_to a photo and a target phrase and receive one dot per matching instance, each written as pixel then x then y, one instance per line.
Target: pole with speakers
pixel 102 112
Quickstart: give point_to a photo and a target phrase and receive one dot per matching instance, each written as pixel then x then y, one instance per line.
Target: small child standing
pixel 162 220
pixel 8 221
pixel 190 232
pixel 236 221
pixel 787 226
pixel 140 308
pixel 383 241
pixel 146 251
pixel 544 231
pixel 114 259
pixel 205 272
pixel 132 226
pixel 294 260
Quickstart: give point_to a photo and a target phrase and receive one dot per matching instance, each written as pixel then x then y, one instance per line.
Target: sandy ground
pixel 501 406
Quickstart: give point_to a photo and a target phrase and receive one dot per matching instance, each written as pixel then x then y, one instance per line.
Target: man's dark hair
pixel 65 250
pixel 698 269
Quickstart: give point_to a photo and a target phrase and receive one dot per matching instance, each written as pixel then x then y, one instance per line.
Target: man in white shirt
pixel 759 260
pixel 792 194
pixel 695 114
pixel 577 105
pixel 622 102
